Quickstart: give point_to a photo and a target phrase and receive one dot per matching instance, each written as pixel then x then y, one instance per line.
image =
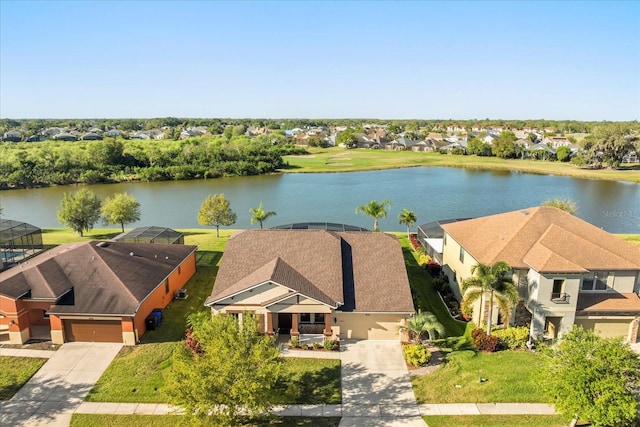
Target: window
pixel 166 286
pixel 305 318
pixel 558 286
pixel 601 280
pixel 587 283
pixel 444 239
pixel 318 318
pixel 595 282
pixel 461 254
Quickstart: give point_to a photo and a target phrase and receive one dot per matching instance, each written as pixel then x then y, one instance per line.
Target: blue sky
pixel 427 60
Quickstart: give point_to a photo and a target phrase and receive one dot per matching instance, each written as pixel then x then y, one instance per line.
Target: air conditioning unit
pixel 181 294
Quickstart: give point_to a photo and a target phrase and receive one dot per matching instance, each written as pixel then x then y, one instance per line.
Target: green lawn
pixel 340 160
pixel 82 420
pixel 16 371
pixel 138 375
pixel 425 297
pixel 510 378
pixel 631 238
pixel 495 420
pixel 310 381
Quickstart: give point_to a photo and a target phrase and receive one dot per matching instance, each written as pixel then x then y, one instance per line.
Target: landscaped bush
pixel 513 338
pixel 294 342
pixel 484 342
pixel 415 243
pixel 331 345
pixel 440 284
pixel 416 354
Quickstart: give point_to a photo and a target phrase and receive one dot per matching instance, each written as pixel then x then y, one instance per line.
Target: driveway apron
pixel 376 385
pixel 57 389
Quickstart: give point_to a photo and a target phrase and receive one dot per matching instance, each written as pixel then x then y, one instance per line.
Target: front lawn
pixel 138 375
pixel 16 371
pixel 310 381
pixel 495 420
pixel 510 378
pixel 82 420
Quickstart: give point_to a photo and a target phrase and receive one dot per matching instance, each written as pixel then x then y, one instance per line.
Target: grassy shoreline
pixel 335 159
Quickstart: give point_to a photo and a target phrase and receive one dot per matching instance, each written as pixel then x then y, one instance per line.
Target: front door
pixel 285 322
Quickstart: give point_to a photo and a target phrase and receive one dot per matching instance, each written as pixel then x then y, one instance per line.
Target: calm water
pixel 432 193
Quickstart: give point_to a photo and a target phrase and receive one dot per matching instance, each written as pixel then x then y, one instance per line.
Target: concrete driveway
pixel 57 389
pixel 376 385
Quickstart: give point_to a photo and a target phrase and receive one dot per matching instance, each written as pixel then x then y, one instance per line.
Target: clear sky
pixel 427 60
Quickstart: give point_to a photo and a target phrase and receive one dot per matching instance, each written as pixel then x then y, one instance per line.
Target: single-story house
pixel 344 285
pixel 92 291
pixel 568 272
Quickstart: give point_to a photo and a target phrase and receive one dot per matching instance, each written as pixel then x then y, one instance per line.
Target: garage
pixel 607 328
pixel 93 330
pixel 370 326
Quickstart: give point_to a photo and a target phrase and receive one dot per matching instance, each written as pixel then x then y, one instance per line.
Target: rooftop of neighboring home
pixel 105 277
pixel 545 239
pixel 355 271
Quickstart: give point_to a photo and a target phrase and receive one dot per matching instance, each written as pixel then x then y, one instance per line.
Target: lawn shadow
pixel 321 386
pixel 174 316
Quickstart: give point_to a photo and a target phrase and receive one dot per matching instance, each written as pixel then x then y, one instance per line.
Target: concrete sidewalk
pixel 26 352
pixel 331 410
pixel 486 409
pixel 51 396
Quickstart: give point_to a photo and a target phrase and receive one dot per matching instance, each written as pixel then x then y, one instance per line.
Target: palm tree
pixel 375 210
pixel 259 215
pixel 494 280
pixel 409 218
pixel 421 323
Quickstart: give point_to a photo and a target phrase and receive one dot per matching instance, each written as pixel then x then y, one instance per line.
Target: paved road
pixel 51 396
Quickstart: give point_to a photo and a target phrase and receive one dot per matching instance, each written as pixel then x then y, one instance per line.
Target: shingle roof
pixel 608 302
pixel 360 271
pixel 106 277
pixel 544 238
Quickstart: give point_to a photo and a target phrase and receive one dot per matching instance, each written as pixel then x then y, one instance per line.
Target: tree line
pixel 26 165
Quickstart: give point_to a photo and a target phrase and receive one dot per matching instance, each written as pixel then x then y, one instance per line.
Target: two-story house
pixel 567 270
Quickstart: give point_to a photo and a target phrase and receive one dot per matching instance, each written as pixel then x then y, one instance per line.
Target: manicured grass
pixel 510 378
pixel 82 420
pixel 425 297
pixel 16 371
pixel 310 381
pixel 495 420
pixel 337 159
pixel 138 375
pixel 631 238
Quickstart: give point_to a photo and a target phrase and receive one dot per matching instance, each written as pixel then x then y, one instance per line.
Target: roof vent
pixel 130 253
pixel 102 244
pixel 525 212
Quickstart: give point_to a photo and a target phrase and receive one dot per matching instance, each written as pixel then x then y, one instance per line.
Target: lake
pixel 431 192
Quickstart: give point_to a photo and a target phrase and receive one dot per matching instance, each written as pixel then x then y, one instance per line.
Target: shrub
pixel 416 354
pixel 484 342
pixel 316 346
pixel 440 284
pixel 294 342
pixel 513 338
pixel 305 347
pixel 330 345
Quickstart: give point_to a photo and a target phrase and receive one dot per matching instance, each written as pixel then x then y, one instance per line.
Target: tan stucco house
pixel 344 285
pixel 91 291
pixel 567 270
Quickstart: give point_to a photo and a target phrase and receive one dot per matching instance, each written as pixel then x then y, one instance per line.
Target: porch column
pixel 269 330
pixel 294 324
pixel 327 325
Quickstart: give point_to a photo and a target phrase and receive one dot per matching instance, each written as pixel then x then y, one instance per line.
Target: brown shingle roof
pixel 608 302
pixel 546 239
pixel 359 271
pixel 106 277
